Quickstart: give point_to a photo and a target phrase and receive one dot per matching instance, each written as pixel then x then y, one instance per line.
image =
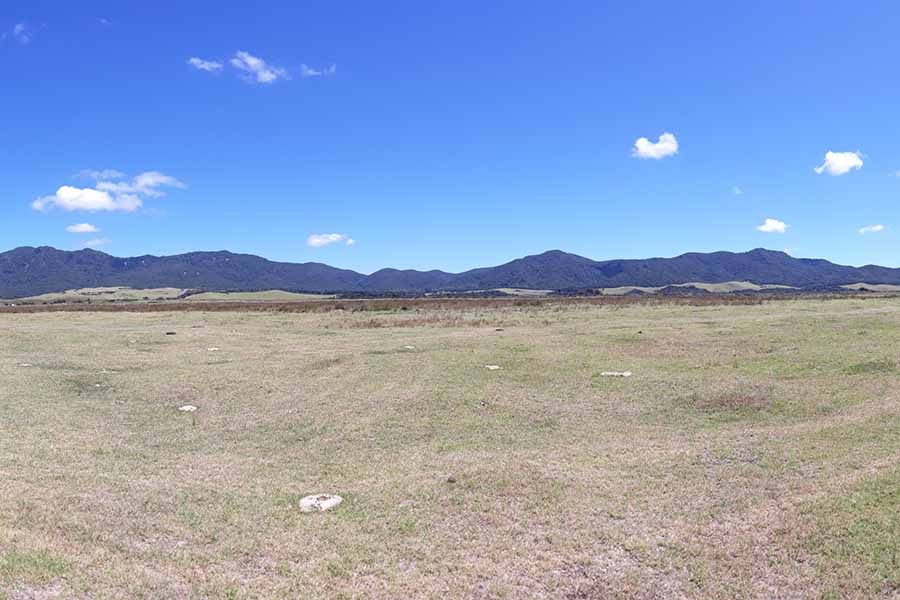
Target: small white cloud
pixel 737 191
pixel 82 228
pixel 665 146
pixel 306 71
pixel 840 163
pixel 773 226
pixel 318 240
pixel 96 242
pixel 256 70
pixel 71 198
pixel 871 229
pixel 210 66
pixel 22 33
pixel 108 195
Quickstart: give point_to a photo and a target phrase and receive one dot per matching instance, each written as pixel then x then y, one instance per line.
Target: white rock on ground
pixel 212 349
pixel 615 374
pixel 187 408
pixel 319 502
pixel 491 367
pixel 409 347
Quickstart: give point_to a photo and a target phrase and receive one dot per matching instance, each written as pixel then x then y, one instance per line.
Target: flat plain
pixel 753 453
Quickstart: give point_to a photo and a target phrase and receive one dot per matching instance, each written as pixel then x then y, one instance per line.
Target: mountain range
pixel 29 271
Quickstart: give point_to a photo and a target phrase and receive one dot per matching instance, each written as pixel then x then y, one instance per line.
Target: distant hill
pixel 29 271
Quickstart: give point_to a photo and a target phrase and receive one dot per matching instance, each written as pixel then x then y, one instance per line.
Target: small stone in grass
pixel 24 364
pixel 615 374
pixel 319 502
pixel 187 408
pixel 170 333
pixel 491 367
pixel 409 347
pixel 499 329
pixel 451 479
pixel 213 349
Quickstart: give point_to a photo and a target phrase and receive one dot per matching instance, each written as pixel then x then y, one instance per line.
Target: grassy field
pixel 753 453
pixel 262 296
pixel 716 288
pixel 105 294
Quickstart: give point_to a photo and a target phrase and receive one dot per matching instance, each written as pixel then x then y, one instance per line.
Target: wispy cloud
pixel 256 70
pixel 107 195
pixel 210 66
pixel 101 175
pixel 666 145
pixel 96 242
pixel 145 184
pixel 22 33
pixel 307 71
pixel 318 240
pixel 773 226
pixel 737 191
pixel 871 229
pixel 840 163
pixel 82 228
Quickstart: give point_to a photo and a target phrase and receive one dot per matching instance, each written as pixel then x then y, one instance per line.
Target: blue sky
pixel 451 134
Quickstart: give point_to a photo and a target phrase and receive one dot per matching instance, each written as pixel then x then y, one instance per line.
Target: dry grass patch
pixel 537 480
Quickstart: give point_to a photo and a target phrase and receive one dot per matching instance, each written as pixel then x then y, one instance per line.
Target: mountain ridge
pixel 29 271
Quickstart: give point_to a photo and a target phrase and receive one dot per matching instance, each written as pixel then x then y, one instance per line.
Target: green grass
pixel 870 367
pixel 37 567
pixel 856 538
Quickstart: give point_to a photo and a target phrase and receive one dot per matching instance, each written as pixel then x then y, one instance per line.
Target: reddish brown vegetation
pixel 395 304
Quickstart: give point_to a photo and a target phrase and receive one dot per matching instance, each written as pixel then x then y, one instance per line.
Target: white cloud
pixel 256 69
pixel 773 226
pixel 737 191
pixel 318 240
pixel 840 163
pixel 871 229
pixel 70 198
pixel 665 146
pixel 82 228
pixel 22 33
pixel 210 66
pixel 306 71
pixel 96 242
pixel 107 195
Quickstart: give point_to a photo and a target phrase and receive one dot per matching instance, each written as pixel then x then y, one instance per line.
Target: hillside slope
pixel 30 271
